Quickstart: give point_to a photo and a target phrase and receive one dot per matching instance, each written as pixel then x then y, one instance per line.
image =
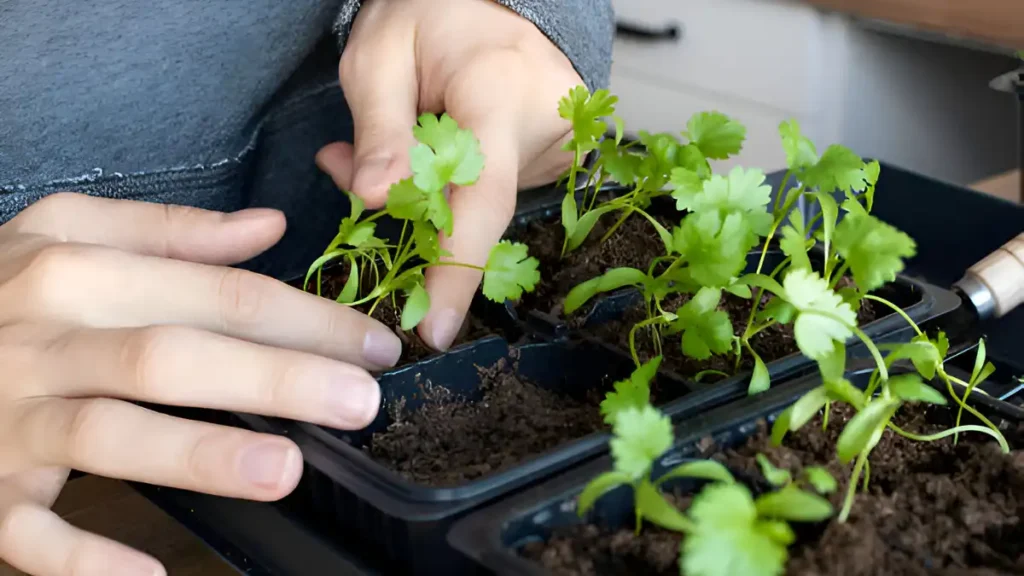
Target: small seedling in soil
pixel 818 478
pixel 726 530
pixel 884 396
pixel 724 218
pixel 378 270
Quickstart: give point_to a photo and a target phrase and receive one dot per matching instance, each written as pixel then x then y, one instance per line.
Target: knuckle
pixel 48 209
pixel 48 275
pixel 83 432
pixel 242 296
pixel 142 357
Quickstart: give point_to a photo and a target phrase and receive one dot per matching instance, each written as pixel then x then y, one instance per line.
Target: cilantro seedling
pixel 444 155
pixel 708 136
pixel 728 531
pixel 818 478
pixel 878 403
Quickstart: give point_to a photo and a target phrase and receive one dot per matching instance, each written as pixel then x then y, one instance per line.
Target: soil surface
pixel 451 440
pixel 770 344
pixel 633 244
pixel 389 313
pixel 931 509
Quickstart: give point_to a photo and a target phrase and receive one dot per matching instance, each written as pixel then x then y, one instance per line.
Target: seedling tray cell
pixel 494 537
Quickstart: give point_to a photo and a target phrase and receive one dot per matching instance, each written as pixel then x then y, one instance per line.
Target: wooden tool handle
pixel 1002 272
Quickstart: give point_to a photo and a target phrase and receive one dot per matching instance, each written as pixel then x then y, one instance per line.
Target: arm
pixel 586 41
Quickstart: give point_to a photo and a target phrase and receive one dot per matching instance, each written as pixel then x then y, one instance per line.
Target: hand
pixel 495 73
pixel 105 302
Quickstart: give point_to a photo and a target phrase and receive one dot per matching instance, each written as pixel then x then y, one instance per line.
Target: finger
pixel 181 366
pixel 381 88
pixel 119 440
pixel 168 231
pixel 481 213
pixel 114 289
pixel 335 160
pixel 36 541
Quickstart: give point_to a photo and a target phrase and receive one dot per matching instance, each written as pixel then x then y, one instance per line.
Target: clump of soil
pixel 931 508
pixel 770 344
pixel 451 440
pixel 389 313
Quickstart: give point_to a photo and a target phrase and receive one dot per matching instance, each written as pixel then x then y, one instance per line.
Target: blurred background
pixel 906 81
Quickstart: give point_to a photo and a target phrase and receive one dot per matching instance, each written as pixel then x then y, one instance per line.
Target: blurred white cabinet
pixel 760 61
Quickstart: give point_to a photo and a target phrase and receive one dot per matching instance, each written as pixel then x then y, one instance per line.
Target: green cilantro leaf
pixel 794 242
pixel 774 476
pixel 793 504
pixel 641 435
pixel 910 388
pixel 663 153
pixel 839 168
pixel 923 353
pixel 408 201
pixel 705 329
pixel 620 164
pixel 633 392
pixel 821 479
pixel 611 280
pixel 800 151
pixel 687 185
pixel 872 170
pixel 585 111
pixel 446 154
pixel 823 319
pixel 717 135
pixel 715 246
pixel 417 304
pixel 424 237
pixel 509 271
pixel 729 539
pixel 742 191
pixel 874 249
pixel 864 430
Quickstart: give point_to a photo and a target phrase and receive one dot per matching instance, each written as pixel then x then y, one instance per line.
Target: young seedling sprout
pixel 445 155
pixel 728 531
pixel 709 135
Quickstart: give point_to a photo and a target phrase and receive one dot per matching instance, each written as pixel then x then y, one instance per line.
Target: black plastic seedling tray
pixel 491 537
pixel 401 524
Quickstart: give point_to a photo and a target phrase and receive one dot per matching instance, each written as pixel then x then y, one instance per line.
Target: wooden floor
pixel 113 509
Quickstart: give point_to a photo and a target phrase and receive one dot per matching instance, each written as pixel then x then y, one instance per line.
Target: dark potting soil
pixel 932 509
pixel 772 343
pixel 633 244
pixel 451 440
pixel 389 313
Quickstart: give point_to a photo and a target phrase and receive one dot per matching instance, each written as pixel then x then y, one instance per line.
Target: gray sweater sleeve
pixel 582 30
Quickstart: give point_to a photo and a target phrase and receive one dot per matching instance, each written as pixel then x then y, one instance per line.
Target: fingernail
pixel 445 328
pixel 354 399
pixel 267 464
pixel 381 347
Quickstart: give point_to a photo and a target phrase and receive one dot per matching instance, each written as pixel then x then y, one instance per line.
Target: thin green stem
pixel 824 418
pixel 965 406
pixel 874 352
pixel 952 431
pixel 782 190
pixel 867 474
pixel 896 309
pixel 625 214
pixel 851 489
pixel 838 275
pixel 632 335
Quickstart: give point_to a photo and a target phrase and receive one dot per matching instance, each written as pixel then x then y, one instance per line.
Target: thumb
pixel 381 90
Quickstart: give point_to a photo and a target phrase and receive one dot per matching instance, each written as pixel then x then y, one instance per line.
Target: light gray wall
pixel 927 106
